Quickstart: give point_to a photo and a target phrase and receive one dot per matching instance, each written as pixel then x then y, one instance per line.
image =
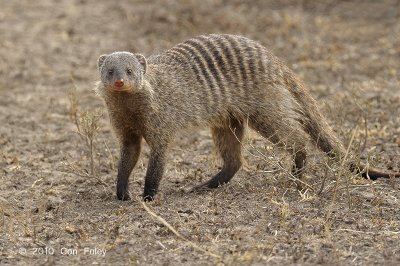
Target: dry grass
pixel 87 125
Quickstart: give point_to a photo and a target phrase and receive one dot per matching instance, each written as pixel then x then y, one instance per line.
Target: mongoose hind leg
pixel 299 154
pixel 299 157
pixel 293 142
pixel 227 140
pixel 129 155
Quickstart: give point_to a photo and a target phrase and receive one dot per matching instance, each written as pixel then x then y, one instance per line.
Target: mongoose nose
pixel 119 83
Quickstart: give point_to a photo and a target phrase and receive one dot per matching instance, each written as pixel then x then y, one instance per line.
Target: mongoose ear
pixel 100 61
pixel 142 60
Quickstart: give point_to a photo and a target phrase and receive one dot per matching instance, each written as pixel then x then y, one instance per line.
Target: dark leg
pixel 154 173
pixel 130 151
pixel 300 157
pixel 228 142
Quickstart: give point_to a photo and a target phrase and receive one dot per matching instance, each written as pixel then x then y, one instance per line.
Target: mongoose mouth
pixel 122 89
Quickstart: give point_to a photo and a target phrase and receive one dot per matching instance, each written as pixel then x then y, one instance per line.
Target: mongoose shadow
pixel 222 81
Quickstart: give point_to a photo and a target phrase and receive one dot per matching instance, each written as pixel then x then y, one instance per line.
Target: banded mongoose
pixel 222 81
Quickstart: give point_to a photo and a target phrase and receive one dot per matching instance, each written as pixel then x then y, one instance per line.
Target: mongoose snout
pixel 226 82
pixel 119 83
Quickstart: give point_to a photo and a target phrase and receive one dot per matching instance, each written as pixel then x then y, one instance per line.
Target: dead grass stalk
pixel 175 232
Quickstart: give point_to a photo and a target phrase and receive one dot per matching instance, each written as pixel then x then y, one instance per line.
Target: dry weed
pixel 87 125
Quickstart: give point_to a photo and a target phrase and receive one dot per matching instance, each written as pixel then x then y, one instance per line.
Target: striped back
pixel 222 61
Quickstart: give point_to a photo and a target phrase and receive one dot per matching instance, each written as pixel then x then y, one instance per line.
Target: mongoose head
pixel 122 71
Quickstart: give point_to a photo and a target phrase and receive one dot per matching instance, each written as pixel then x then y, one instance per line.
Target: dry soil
pixel 53 211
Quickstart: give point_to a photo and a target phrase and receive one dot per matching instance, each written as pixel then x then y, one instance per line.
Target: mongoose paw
pixel 148 198
pixel 203 187
pixel 223 177
pixel 123 195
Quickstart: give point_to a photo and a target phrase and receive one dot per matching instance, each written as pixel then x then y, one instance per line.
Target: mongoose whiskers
pixel 221 81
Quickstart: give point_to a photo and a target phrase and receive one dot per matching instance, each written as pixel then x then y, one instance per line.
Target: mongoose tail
pixel 322 134
pixel 371 172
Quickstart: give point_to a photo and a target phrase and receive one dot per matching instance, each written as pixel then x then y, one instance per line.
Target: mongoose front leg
pixel 154 173
pixel 130 151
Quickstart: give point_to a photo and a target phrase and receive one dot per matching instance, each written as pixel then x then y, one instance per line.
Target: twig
pixel 364 116
pixel 371 183
pixel 339 176
pixel 367 232
pixel 343 164
pixel 323 180
pixel 164 222
pixel 112 163
pixel 75 171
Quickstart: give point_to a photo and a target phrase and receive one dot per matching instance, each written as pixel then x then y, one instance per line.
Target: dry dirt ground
pixel 52 211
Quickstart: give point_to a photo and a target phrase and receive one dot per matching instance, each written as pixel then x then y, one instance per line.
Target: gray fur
pixel 221 81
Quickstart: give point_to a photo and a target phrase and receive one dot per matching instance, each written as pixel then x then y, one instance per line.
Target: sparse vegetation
pixel 87 125
pixel 57 187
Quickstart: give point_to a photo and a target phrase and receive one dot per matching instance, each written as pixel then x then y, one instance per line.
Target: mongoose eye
pixel 110 71
pixel 129 71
